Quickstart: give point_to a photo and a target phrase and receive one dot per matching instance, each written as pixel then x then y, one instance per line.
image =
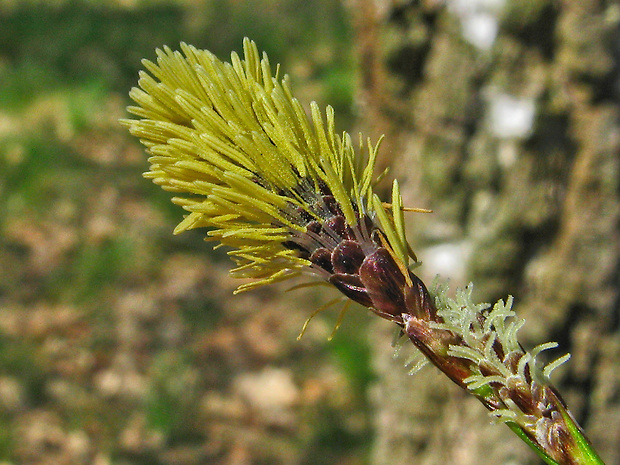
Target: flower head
pixel 288 195
pixel 282 189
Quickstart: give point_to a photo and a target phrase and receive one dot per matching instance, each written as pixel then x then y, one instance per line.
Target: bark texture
pixel 536 209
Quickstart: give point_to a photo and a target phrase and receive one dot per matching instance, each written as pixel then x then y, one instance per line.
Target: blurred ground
pixel 119 343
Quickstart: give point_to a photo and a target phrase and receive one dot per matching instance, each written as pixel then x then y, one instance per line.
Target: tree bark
pixel 535 208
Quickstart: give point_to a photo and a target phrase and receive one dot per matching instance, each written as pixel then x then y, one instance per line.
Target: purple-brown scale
pixel 352 258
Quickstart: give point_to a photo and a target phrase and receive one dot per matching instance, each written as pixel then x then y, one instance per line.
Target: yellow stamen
pixel 316 312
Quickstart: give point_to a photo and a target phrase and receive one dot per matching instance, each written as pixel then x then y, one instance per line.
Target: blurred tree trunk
pixel 516 149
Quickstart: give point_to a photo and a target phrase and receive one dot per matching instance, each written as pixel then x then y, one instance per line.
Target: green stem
pixel 585 453
pixel 525 438
pixel 581 454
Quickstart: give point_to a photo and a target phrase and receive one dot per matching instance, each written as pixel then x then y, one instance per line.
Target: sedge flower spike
pixel 284 191
pixel 290 196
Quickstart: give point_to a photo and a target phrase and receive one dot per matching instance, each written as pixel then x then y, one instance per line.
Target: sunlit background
pixel 121 343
